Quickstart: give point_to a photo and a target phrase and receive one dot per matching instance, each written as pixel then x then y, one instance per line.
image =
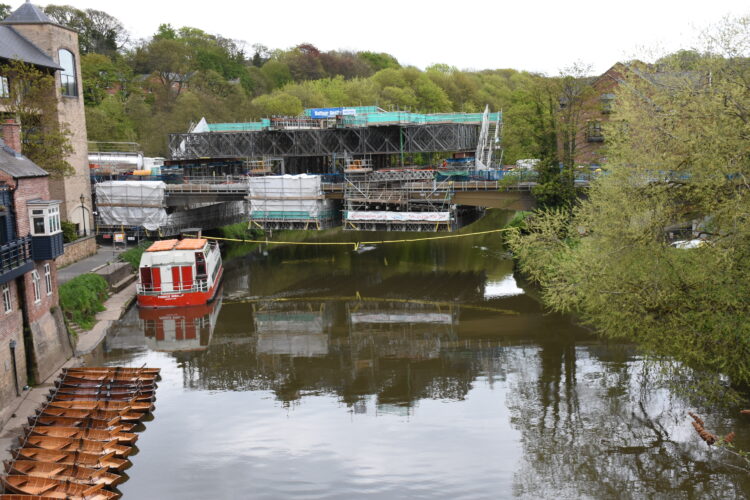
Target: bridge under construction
pixel 328 167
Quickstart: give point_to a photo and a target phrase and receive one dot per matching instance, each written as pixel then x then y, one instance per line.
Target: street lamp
pixel 83 213
pixel 15 369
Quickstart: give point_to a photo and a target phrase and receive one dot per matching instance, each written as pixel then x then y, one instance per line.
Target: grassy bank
pixel 82 297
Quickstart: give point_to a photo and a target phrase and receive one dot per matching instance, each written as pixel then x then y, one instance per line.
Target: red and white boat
pixel 176 273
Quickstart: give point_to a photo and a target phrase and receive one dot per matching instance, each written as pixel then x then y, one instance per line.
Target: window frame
pixel 4 87
pixel 50 212
pixel 7 299
pixel 68 79
pixel 48 278
pixel 37 286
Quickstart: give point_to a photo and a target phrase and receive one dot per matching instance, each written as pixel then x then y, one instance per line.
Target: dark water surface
pixel 419 371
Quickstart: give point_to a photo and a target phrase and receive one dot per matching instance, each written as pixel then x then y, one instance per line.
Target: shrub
pixel 240 231
pixel 70 233
pixel 133 255
pixel 82 297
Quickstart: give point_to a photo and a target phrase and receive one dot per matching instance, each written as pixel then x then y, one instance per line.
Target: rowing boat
pixel 134 406
pixel 76 445
pixel 94 391
pixel 105 377
pixel 95 414
pixel 73 458
pixel 81 423
pixel 53 488
pixel 77 433
pixel 113 369
pixel 102 396
pixel 74 473
pixel 105 385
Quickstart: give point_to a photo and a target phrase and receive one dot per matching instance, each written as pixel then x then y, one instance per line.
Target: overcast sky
pixel 531 35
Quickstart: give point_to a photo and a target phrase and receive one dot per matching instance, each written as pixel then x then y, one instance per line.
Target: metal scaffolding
pixel 296 142
pixel 398 200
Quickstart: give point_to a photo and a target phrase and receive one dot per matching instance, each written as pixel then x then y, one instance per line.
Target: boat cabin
pixel 189 265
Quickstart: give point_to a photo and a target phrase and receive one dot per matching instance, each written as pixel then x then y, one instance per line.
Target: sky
pixel 531 35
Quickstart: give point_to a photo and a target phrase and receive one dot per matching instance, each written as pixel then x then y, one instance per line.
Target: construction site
pixel 362 168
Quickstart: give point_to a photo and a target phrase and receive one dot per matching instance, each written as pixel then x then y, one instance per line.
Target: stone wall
pixel 50 38
pixel 77 250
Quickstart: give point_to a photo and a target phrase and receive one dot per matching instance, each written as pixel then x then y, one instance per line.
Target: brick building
pixel 29 35
pixel 33 338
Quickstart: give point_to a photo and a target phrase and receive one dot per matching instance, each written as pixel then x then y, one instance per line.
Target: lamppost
pixel 15 369
pixel 83 213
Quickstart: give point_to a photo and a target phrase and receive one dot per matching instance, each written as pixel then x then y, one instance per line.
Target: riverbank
pixel 14 416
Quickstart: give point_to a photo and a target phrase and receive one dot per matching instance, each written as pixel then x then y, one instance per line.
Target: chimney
pixel 12 135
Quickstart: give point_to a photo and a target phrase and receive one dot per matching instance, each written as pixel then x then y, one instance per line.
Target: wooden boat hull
pixel 182 299
pixel 94 414
pixel 75 445
pixel 54 488
pixel 130 406
pixel 75 473
pixel 104 378
pixel 72 458
pixel 115 369
pixel 105 386
pixel 77 433
pixel 101 397
pixel 81 423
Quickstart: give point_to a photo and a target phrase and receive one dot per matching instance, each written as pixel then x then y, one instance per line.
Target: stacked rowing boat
pixel 79 440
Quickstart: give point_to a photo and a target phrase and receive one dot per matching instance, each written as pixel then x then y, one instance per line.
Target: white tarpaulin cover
pixel 359 215
pixel 288 196
pixel 132 203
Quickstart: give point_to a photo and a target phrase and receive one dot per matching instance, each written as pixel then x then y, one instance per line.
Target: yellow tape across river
pixel 356 244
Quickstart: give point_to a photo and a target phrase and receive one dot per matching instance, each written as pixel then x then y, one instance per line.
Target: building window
pixel 607 101
pixel 7 304
pixel 45 217
pixel 594 131
pixel 48 278
pixel 68 73
pixel 4 87
pixel 36 281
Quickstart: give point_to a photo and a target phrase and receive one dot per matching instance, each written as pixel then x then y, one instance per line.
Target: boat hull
pixel 181 299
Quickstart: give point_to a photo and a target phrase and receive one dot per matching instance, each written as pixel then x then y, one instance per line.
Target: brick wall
pixel 12 135
pixel 28 189
pixel 595 152
pixel 77 250
pixel 11 328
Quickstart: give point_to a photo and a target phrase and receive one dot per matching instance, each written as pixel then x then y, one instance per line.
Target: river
pixel 406 371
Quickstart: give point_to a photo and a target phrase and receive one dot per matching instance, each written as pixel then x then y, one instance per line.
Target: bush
pixel 240 231
pixel 133 256
pixel 70 233
pixel 82 297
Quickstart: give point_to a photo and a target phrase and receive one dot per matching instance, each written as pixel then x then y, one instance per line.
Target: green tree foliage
pixel 98 32
pixel 5 10
pixel 678 153
pixel 32 102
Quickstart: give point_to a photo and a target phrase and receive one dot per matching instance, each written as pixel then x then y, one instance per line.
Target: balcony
pixel 15 259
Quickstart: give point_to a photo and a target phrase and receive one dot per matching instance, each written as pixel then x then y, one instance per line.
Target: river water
pixel 407 371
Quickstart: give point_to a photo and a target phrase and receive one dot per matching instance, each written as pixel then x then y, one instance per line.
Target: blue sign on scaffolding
pixel 332 112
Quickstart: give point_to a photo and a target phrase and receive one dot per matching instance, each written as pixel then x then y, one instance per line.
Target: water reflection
pixel 419 371
pixel 180 328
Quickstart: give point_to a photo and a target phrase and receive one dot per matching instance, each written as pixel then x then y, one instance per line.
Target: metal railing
pixel 15 254
pixel 198 285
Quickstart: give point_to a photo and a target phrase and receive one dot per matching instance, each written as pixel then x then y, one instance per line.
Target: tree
pixel 32 101
pixel 5 10
pixel 98 32
pixel 678 155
